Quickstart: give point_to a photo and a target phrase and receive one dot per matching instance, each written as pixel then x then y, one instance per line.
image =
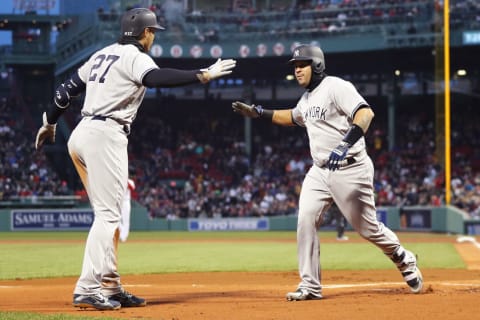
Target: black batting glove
pixel 338 155
pixel 250 111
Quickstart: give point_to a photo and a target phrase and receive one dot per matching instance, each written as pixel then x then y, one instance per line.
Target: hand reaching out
pixel 219 69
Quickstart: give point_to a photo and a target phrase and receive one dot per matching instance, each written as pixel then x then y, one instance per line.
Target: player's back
pixel 113 77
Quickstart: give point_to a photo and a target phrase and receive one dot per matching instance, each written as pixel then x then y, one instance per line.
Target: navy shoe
pixel 97 301
pixel 128 300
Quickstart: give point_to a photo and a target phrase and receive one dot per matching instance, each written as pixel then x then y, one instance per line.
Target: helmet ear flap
pixel 318 67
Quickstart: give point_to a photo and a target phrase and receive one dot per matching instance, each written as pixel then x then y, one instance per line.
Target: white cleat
pixel 412 274
pixel 302 294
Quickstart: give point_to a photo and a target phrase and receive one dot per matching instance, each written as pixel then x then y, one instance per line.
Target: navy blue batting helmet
pixel 306 52
pixel 134 21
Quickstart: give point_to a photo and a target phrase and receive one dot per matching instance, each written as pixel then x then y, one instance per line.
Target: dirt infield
pixel 449 294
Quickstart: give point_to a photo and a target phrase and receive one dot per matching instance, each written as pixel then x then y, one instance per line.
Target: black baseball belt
pixel 126 127
pixel 345 162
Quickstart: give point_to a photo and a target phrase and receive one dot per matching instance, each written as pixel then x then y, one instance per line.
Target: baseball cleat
pixel 302 294
pixel 96 301
pixel 128 300
pixel 414 280
pixel 411 273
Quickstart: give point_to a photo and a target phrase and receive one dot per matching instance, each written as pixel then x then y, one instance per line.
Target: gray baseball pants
pixel 351 188
pixel 98 149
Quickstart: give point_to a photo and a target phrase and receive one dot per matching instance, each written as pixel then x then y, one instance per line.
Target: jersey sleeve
pixel 347 98
pixel 142 64
pixel 297 117
pixel 83 71
pixel 297 114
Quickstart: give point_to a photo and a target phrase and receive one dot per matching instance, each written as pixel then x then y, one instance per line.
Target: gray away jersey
pixel 113 76
pixel 327 114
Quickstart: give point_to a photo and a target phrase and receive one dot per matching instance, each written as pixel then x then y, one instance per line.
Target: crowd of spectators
pixel 23 171
pixel 200 167
pixel 219 178
pixel 297 17
pixel 203 167
pixel 216 22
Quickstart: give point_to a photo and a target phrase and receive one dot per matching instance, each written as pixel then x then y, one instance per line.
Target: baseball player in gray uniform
pixel 114 80
pixel 336 118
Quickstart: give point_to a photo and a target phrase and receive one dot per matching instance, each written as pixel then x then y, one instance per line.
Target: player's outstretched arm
pixel 280 117
pixel 170 77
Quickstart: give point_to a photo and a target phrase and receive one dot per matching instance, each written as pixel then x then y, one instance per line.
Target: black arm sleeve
pixel 168 78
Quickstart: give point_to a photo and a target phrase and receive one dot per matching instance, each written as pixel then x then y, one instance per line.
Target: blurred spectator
pixel 174 14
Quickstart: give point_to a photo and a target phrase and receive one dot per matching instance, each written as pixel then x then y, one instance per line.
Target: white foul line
pixel 471 283
pixel 468 239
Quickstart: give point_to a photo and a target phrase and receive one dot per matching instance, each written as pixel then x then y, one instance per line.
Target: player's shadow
pixel 366 292
pixel 197 296
pixel 256 295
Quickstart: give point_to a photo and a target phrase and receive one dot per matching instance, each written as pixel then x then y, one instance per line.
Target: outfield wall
pixel 425 219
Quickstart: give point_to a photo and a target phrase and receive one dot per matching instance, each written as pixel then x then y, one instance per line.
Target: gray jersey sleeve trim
pixel 295 122
pixel 358 107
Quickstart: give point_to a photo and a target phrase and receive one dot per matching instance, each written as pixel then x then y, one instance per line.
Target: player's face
pixel 303 72
pixel 149 37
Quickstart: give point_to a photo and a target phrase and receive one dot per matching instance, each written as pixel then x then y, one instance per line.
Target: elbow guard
pixel 63 94
pixel 70 88
pixel 62 98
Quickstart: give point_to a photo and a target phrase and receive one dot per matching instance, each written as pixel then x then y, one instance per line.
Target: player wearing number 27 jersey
pixel 114 80
pixel 119 97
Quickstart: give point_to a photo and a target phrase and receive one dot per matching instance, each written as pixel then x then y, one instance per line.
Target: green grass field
pixel 28 255
pixel 59 254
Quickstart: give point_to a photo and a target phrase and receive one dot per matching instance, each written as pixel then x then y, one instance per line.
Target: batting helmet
pixel 306 52
pixel 134 21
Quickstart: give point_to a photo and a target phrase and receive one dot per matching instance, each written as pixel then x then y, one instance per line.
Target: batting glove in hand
pixel 338 155
pixel 47 130
pixel 220 68
pixel 251 111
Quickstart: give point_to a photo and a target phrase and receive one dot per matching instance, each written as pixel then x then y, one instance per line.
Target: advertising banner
pixel 24 220
pixel 416 219
pixel 244 224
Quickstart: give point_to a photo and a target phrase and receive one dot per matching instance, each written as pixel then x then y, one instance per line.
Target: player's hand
pixel 47 130
pixel 250 111
pixel 219 68
pixel 338 155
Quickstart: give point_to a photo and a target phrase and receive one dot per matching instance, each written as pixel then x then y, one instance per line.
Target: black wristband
pixel 353 135
pixel 267 114
pixel 264 113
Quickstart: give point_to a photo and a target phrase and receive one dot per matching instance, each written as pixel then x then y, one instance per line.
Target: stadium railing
pixel 67 201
